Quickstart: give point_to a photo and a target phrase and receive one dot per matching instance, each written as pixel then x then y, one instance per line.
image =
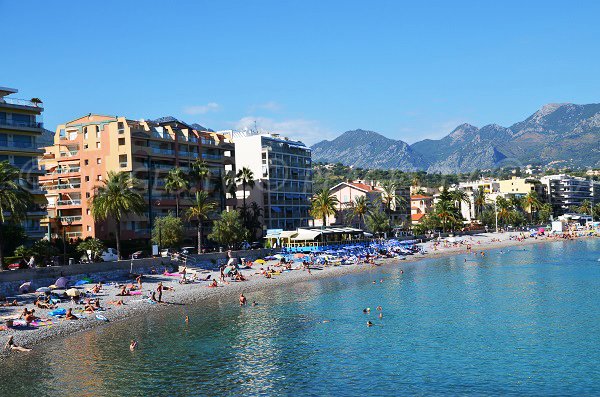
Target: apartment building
pixel 87 148
pixel 283 173
pixel 21 127
pixel 420 205
pixel 566 192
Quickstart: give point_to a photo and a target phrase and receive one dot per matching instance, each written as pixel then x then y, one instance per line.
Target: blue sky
pixel 309 69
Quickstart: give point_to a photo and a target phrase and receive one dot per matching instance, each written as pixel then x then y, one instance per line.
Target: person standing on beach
pixel 159 289
pixel 243 300
pixel 138 279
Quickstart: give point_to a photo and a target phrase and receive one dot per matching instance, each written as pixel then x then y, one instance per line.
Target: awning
pixel 306 235
pixel 288 234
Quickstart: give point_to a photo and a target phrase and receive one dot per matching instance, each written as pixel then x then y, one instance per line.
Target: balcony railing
pixel 69 154
pixel 65 170
pixel 68 202
pixel 208 156
pixel 62 186
pixel 16 123
pixel 69 219
pixel 74 234
pixel 168 152
pixel 21 102
pixel 123 164
pixel 211 142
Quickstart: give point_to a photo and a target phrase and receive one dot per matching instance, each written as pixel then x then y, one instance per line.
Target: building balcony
pixel 63 171
pixel 38 106
pixel 65 220
pixel 35 232
pixel 73 235
pixel 165 152
pixel 67 203
pixel 21 125
pixel 214 157
pixel 66 186
pixel 72 153
pixel 20 147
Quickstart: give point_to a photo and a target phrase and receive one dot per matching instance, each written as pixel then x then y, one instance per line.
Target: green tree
pixel 504 209
pixel 116 198
pixel 176 183
pixel 323 205
pixel 254 215
pixel 245 176
pixel 201 209
pixel 43 250
pixel 229 229
pixel 532 203
pixel 24 252
pixel 360 208
pixel 13 200
pixel 378 222
pixel 168 231
pixel 199 172
pixel 94 246
pixel 585 207
pixel 545 212
pixel 479 201
pixel 445 211
pixel 389 197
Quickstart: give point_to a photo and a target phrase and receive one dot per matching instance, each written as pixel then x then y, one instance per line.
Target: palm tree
pixel 585 207
pixel 446 212
pixel 13 198
pixel 479 201
pixel 504 208
pixel 245 176
pixel 377 222
pixel 360 208
pixel 200 209
pixel 256 212
pixel 199 171
pixel 532 203
pixel 115 199
pixel 516 202
pixel 460 196
pixel 389 196
pixel 176 182
pixel 323 205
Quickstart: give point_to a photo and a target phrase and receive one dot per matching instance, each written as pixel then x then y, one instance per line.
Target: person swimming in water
pixel 132 345
pixel 369 324
pixel 243 300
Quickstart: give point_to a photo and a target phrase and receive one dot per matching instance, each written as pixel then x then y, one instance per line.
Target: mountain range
pixel 565 134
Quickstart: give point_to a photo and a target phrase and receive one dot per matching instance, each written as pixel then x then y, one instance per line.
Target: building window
pixel 85 145
pixel 89 228
pixel 98 132
pixel 87 212
pixel 99 178
pixel 123 160
pixel 97 145
pixel 98 161
pixel 87 178
pixel 87 194
pixel 85 133
pixel 121 141
pixel 86 162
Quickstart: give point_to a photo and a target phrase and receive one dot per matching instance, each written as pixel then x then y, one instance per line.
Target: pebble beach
pixel 199 291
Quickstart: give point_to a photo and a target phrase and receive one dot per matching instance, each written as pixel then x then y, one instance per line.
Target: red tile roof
pixel 362 186
pixel 420 197
pixel 416 217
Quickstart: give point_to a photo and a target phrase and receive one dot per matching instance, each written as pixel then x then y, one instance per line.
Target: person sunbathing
pixel 42 304
pixel 70 315
pixel 116 303
pixel 13 303
pixel 10 344
pixel 96 288
pixel 124 291
pixel 89 308
pixel 213 284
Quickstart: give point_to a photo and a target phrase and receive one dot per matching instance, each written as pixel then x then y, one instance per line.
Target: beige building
pixel 87 148
pixel 20 129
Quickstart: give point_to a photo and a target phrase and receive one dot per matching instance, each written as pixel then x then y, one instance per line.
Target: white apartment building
pixel 282 171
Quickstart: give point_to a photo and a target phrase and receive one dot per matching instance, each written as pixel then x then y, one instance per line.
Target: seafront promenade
pixel 202 287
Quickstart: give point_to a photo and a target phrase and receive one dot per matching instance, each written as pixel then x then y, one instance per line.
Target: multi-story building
pixel 20 128
pixel 346 193
pixel 282 170
pixel 420 205
pixel 566 192
pixel 87 148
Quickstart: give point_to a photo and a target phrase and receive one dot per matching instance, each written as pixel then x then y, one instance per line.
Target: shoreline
pixel 195 293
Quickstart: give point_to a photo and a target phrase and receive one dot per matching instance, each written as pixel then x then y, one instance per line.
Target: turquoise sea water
pixel 525 321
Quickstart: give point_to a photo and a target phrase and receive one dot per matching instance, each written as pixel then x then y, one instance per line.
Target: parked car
pixel 188 250
pixel 166 252
pixel 138 255
pixel 109 255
